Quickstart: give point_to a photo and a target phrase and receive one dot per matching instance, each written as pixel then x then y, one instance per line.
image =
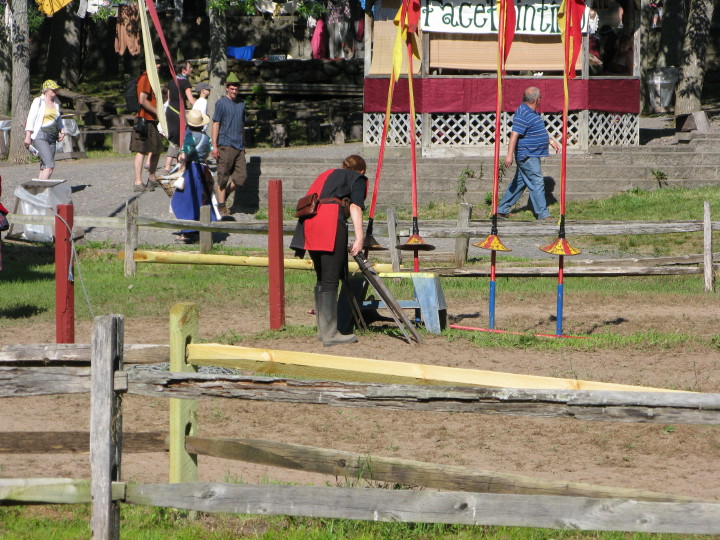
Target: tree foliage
pixel 304 8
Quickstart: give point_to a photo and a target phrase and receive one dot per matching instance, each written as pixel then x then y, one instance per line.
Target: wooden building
pixel 455 82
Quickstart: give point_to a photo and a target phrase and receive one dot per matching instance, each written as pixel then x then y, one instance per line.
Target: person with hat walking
pixel 197 181
pixel 44 127
pixel 228 140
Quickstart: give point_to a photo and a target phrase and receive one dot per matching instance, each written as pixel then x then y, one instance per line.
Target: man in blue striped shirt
pixel 528 143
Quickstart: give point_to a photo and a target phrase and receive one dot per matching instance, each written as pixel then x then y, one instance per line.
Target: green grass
pixel 146 523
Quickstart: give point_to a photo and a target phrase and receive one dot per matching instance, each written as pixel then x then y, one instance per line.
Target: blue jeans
pixel 527 175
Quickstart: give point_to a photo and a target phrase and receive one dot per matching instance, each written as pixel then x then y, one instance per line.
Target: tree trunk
pixel 20 79
pixel 5 68
pixel 672 33
pixel 218 56
pixel 689 88
pixel 647 53
pixel 63 56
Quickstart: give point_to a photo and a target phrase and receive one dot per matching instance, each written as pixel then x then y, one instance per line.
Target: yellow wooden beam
pixel 343 368
pixel 172 257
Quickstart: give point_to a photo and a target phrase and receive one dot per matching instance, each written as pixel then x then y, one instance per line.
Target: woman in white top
pixel 44 127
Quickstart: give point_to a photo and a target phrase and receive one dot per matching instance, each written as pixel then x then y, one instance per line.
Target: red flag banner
pixel 571 29
pixel 506 9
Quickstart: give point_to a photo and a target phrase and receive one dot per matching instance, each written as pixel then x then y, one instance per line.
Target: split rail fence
pixel 464 230
pixel 468 497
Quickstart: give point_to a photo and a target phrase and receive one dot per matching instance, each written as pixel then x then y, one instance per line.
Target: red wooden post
pixel 64 287
pixel 276 263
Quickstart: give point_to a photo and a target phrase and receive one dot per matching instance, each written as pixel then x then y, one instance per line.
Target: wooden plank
pixel 641 407
pixel 523 228
pixel 75 442
pixel 105 425
pixel 78 354
pixel 394 240
pixel 51 491
pixel 462 244
pixel 427 506
pixel 32 381
pixel 708 268
pixel 170 257
pixel 325 366
pixel 184 328
pixel 205 236
pixel 641 261
pixel 569 271
pixel 131 235
pixel 368 468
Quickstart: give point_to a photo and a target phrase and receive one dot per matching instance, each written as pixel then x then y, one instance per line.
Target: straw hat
pixel 49 85
pixel 195 118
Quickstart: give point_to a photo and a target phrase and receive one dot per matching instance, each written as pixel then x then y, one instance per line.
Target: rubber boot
pixel 327 321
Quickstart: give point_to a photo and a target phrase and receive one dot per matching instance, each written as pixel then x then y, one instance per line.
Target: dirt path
pixel 677 459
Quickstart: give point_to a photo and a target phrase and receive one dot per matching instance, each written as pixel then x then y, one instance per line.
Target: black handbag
pixel 140 126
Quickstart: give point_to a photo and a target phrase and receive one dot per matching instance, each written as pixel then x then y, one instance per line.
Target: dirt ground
pixel 675 459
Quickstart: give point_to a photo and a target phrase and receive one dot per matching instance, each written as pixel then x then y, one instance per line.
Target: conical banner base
pixel 492 243
pixel 560 247
pixel 415 243
pixel 371 244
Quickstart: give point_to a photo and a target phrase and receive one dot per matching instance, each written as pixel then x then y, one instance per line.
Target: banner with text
pixel 481 16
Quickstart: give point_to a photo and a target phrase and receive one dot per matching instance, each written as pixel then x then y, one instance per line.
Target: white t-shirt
pixel 201 104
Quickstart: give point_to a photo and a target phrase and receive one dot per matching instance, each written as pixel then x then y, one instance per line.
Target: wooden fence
pixel 472 497
pixel 463 231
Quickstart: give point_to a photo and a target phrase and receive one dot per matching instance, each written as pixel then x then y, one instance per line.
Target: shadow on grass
pixel 20 259
pixel 21 312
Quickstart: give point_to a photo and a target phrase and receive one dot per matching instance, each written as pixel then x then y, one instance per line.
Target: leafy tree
pixel 689 88
pixel 63 56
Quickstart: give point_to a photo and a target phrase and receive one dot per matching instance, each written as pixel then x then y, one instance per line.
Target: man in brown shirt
pixel 146 140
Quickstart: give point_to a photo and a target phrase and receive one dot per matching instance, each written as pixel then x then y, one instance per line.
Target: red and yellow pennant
pixel 506 28
pixel 570 24
pixel 406 19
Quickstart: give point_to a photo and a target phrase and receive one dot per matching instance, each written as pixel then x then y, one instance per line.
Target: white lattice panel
pixel 613 129
pixel 478 129
pixel 398 129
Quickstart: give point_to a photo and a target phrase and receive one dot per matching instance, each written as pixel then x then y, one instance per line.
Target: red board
pixel 476 95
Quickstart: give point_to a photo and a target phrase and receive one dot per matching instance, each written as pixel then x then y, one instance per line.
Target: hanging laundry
pixel 319 40
pixel 128 30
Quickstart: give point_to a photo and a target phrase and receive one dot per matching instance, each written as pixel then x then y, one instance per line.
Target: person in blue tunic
pixel 529 142
pixel 197 179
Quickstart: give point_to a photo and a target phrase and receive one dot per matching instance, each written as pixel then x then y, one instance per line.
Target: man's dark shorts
pixel 231 166
pixel 152 142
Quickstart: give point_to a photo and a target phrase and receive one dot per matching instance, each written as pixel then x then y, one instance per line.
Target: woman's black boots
pixel 326 309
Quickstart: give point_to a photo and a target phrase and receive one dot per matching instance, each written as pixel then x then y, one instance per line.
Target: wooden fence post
pixel 205 236
pixel 276 263
pixel 105 425
pixel 64 287
pixel 184 328
pixel 393 239
pixel 462 244
pixel 131 236
pixel 708 267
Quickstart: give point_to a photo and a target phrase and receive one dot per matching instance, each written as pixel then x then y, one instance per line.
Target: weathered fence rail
pixel 592 507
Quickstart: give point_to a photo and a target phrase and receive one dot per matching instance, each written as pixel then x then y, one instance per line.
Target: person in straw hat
pixel 197 183
pixel 44 127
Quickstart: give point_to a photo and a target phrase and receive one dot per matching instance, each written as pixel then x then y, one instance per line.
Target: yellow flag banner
pixel 50 7
pixel 150 65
